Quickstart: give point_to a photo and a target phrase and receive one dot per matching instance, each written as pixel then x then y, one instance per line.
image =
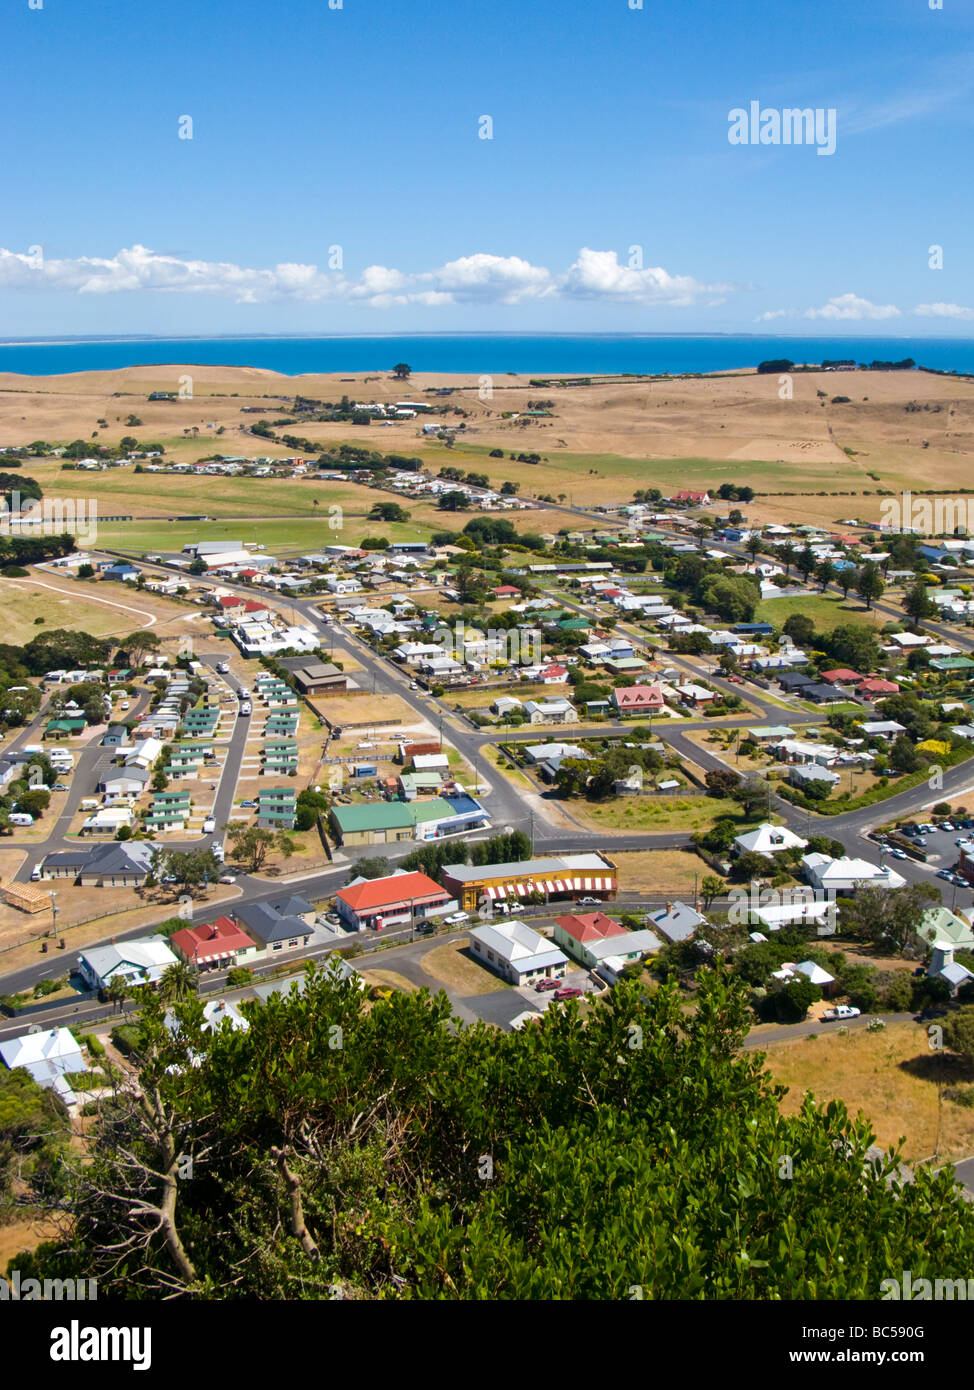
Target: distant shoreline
pixel 473 354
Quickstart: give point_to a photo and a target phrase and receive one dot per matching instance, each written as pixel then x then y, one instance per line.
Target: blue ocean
pixel 488 353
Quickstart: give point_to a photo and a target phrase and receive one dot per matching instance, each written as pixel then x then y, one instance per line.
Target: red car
pixel 543 985
pixel 569 992
pixel 736 680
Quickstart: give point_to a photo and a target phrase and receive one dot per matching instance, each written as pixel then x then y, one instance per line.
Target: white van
pixel 20 818
pixel 209 825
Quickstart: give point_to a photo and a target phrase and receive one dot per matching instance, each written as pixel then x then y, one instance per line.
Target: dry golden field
pixel 602 441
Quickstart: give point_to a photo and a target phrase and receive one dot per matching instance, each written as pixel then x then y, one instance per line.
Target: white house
pixel 769 839
pixel 107 821
pixel 553 711
pixel 844 876
pixel 516 952
pixel 144 753
pixel 139 962
pixel 48 1056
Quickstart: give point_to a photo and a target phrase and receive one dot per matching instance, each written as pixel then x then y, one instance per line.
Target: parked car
pixel 948 826
pixel 125 704
pixel 588 902
pixel 840 1011
pixel 899 854
pixel 209 825
pixel 568 992
pixel 35 873
pixel 248 805
pixel 223 667
pixel 227 878
pixel 59 787
pixel 543 985
pixel 515 907
pixel 455 917
pixel 413 685
pixel 945 873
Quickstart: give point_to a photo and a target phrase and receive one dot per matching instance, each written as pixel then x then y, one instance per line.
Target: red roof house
pixel 213 943
pixel 873 686
pixel 841 675
pixel 553 674
pixel 697 498
pixel 377 900
pixel 638 699
pixel 590 926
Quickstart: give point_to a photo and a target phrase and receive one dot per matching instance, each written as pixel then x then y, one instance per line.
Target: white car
pixel 209 825
pixel 456 917
pixel 516 907
pixel 245 707
pixel 125 704
pixel 223 667
pixel 840 1011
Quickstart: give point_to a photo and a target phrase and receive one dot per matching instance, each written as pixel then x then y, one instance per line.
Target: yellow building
pixel 569 876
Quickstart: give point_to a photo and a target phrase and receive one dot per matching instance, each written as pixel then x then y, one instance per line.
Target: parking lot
pixel 942 852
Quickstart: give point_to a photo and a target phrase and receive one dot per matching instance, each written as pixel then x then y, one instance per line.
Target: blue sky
pixel 358 128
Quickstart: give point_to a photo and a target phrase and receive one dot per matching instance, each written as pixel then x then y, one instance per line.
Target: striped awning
pixel 549 886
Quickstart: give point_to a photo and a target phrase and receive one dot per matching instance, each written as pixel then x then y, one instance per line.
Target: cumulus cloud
pixel 598 275
pixel 850 306
pixel 770 314
pixel 943 311
pixel 481 278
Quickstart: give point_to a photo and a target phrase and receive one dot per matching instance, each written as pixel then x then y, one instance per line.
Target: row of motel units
pixel 572 874
pixel 401 897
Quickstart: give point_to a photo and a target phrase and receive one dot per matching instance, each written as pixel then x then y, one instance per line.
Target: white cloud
pixel 598 275
pixel 770 314
pixel 850 306
pixel 943 311
pixel 481 278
